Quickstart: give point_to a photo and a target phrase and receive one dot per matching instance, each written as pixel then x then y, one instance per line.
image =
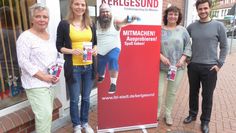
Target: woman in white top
pixel 35 52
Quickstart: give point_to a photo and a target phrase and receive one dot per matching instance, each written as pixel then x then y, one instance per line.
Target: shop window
pixel 14 19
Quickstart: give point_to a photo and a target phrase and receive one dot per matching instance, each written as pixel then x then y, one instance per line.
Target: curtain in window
pixel 14 19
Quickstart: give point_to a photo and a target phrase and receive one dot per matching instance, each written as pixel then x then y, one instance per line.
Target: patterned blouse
pixel 34 54
pixel 174 44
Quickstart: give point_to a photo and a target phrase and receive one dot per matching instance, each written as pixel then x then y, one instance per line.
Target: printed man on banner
pixel 109 44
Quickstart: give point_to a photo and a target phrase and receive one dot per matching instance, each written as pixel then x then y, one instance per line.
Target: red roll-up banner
pixel 134 103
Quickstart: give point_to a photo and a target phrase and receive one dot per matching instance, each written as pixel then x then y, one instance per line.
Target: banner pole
pixel 118 129
pixel 232 37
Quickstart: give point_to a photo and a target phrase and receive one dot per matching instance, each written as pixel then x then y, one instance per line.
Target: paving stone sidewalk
pixel 223 118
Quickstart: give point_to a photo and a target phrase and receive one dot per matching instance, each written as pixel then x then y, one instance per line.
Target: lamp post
pixel 232 12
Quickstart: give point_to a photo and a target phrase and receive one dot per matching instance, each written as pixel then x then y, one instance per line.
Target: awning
pixel 229 17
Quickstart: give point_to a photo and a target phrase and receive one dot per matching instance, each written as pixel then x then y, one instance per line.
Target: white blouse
pixel 34 54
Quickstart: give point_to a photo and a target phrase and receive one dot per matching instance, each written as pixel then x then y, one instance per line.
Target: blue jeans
pixel 82 82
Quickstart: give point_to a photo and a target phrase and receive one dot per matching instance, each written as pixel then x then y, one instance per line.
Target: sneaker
pixel 112 88
pixel 168 120
pixel 87 128
pixel 77 129
pixel 100 79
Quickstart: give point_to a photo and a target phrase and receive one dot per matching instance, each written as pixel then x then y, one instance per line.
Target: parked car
pixel 229 33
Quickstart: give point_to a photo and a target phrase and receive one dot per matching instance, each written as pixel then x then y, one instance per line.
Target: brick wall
pixel 22 121
pixel 178 3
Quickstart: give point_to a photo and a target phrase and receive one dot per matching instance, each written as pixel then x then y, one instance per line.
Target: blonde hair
pixel 86 18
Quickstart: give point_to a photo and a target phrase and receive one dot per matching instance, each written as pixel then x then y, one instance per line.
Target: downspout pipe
pixel 186 4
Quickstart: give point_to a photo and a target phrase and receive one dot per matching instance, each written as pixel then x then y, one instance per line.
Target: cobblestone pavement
pixel 223 118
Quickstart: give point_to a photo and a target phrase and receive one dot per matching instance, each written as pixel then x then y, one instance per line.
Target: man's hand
pixel 217 69
pixel 131 19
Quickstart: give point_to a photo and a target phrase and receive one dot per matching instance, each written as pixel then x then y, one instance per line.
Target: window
pixel 217 12
pixel 14 19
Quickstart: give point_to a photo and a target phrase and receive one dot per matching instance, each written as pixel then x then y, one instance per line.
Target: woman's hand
pixel 165 60
pixel 55 80
pixel 181 61
pixel 50 78
pixel 46 77
pixel 71 51
pixel 76 52
pixel 94 51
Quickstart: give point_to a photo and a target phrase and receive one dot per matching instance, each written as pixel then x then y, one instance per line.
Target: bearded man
pixel 108 44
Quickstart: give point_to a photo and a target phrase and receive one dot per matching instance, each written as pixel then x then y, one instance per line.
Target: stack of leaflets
pixel 56 67
pixel 171 73
pixel 87 51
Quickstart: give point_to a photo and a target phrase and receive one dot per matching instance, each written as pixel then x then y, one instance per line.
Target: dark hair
pixel 172 9
pixel 198 2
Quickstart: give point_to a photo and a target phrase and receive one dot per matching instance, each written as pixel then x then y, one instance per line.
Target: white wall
pixel 54 19
pixel 191 13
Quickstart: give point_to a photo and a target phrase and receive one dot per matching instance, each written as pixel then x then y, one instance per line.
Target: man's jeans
pixel 82 82
pixel 111 58
pixel 200 76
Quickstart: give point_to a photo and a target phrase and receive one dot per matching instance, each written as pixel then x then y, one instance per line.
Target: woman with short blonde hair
pixel 33 47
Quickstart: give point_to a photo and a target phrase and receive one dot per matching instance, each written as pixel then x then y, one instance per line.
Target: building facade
pixel 15 112
pixel 221 8
pixel 220 11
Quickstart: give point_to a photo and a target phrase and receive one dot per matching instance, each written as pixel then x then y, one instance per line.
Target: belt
pixel 83 66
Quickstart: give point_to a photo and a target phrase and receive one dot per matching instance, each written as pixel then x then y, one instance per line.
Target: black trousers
pixel 200 76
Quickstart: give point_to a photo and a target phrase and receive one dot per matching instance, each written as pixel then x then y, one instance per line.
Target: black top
pixel 63 40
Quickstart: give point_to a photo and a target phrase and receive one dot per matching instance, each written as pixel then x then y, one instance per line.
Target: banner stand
pixel 141 127
pixel 128 100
